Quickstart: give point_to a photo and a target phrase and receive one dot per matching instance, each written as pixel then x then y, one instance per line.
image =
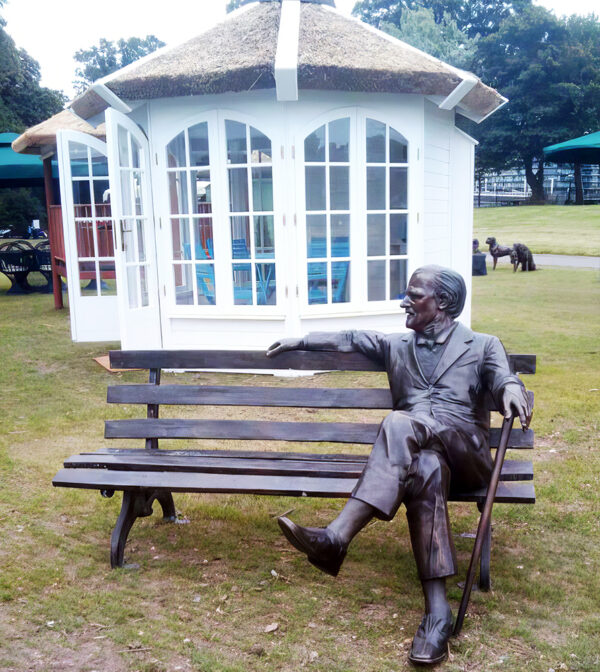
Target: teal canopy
pixel 585 149
pixel 20 170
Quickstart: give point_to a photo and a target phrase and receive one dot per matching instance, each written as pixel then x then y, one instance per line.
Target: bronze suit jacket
pixel 473 368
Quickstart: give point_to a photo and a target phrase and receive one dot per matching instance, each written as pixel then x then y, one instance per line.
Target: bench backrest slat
pixel 199 395
pixel 301 360
pixel 333 432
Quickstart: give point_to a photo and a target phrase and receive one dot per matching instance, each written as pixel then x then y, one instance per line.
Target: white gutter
pixel 110 98
pixel 286 58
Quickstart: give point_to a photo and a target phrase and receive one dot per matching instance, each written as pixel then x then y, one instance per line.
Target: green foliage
pixel 107 57
pixel 549 69
pixel 442 39
pixel 23 102
pixel 475 17
pixel 18 207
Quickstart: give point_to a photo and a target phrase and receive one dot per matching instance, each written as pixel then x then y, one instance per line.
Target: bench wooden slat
pixel 258 430
pixel 219 395
pixel 301 360
pixel 165 461
pixel 297 486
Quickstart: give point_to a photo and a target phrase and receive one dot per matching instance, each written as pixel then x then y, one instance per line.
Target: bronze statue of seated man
pixel 434 440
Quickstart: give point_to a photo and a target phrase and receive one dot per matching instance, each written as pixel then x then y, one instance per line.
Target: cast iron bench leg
pixel 136 504
pixel 484 563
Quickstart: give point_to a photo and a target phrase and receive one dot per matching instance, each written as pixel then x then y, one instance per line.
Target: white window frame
pixel 358 304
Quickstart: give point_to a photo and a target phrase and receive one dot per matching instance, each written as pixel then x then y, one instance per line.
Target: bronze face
pixel 421 304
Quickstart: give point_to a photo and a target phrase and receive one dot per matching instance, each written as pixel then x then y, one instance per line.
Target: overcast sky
pixel 53 30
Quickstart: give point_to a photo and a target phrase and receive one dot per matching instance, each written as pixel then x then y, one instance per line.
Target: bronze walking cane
pixel 484 521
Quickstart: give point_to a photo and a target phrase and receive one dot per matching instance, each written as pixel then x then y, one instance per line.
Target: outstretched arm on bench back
pixel 370 343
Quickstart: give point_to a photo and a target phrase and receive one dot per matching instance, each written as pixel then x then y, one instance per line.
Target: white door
pixel 129 160
pixel 89 237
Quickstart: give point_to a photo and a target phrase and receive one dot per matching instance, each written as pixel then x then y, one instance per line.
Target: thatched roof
pixel 36 139
pixel 336 52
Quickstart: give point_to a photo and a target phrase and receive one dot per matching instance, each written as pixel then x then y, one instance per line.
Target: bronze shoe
pixel 323 549
pixel 430 644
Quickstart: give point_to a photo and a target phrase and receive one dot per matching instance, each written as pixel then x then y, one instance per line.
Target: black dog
pixel 521 254
pixel 497 250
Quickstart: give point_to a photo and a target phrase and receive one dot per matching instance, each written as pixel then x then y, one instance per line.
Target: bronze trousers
pixel 416 460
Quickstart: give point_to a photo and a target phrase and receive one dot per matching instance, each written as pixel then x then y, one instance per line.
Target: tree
pixel 474 17
pixel 18 207
pixel 233 4
pixel 107 57
pixel 444 40
pixel 549 69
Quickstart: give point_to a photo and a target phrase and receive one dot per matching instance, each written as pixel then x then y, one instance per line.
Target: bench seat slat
pixel 334 432
pixel 165 461
pixel 104 479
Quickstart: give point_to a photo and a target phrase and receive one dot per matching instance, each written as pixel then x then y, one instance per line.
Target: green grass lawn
pixel 205 592
pixel 545 229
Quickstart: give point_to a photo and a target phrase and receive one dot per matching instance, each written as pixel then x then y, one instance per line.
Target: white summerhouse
pixel 283 172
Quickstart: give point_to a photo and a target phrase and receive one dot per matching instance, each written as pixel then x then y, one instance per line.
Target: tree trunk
pixel 578 185
pixel 535 181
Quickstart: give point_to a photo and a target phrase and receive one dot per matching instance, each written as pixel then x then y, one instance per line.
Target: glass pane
pixel 137 192
pixel 242 284
pixel 104 236
pixel 265 285
pixel 398 236
pixel 126 193
pixel 88 277
pixel 340 281
pixel 178 193
pixel 316 236
pixel 99 164
pixel 240 237
pixel 264 237
pixel 375 235
pixel 375 188
pixel 203 235
pixel 375 141
pixel 262 189
pixel 176 151
pixel 205 279
pixel 184 294
pixel 141 240
pixel 129 240
pixel 260 146
pixel 201 192
pixel 315 188
pixel 123 147
pixel 81 196
pixel 238 190
pixel 78 155
pixel 198 136
pixel 180 233
pixel 317 283
pixel 339 185
pixel 144 286
pixel 136 151
pixel 101 197
pixel 339 140
pixel 397 278
pixel 398 188
pixel 314 145
pixel 108 284
pixel 376 280
pixel 398 147
pixel 340 235
pixel 132 286
pixel 85 239
pixel 236 142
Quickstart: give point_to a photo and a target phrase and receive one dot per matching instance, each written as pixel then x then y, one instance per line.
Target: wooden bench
pixel 148 473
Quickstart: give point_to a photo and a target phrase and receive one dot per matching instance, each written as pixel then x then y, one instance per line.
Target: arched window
pixel 356 212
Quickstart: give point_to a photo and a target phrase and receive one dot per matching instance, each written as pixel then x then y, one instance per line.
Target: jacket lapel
pixel 459 343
